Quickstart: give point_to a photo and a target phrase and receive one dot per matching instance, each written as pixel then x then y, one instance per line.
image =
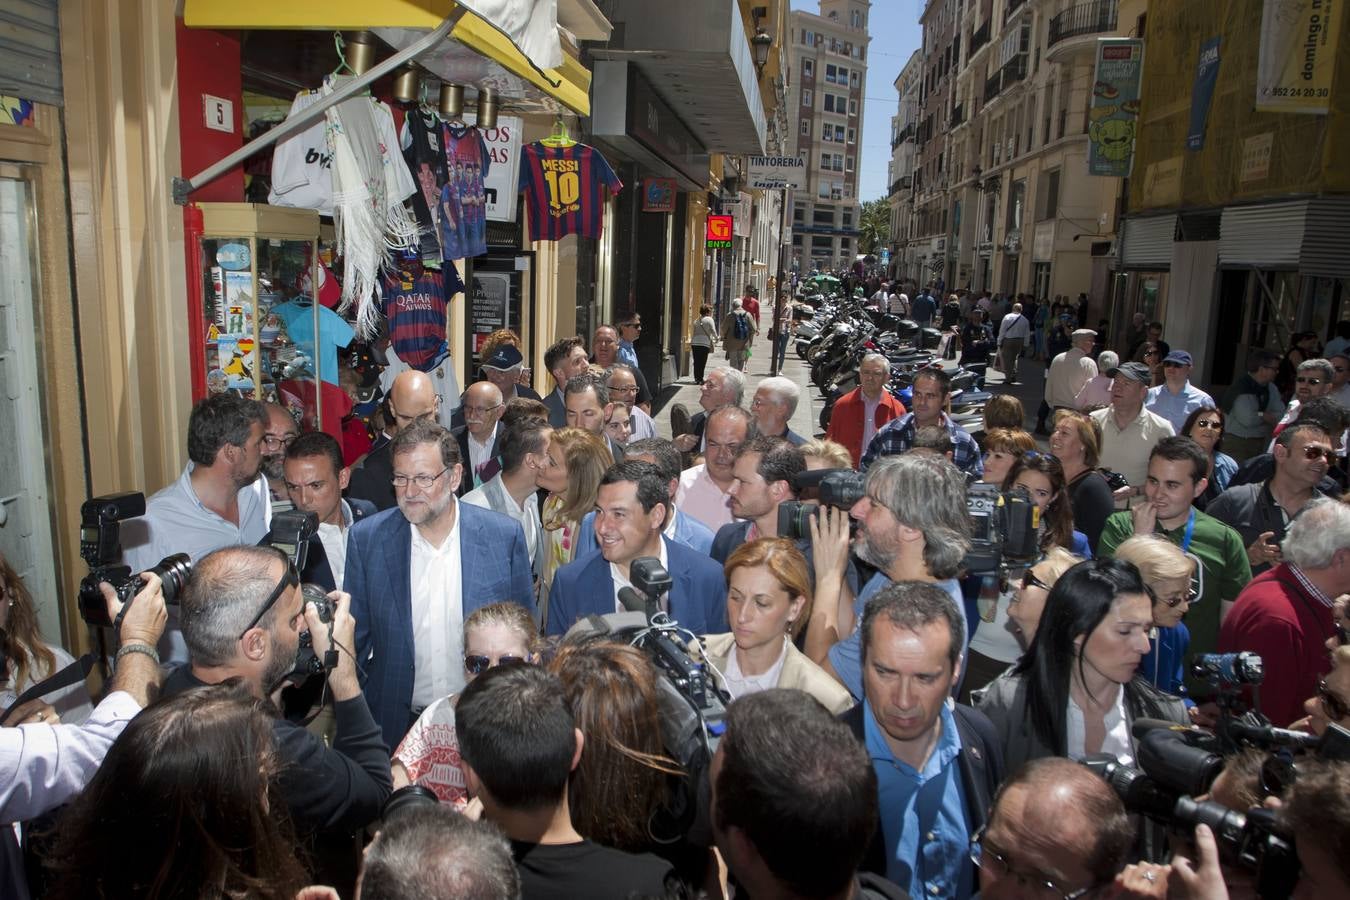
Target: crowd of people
pixel 419 702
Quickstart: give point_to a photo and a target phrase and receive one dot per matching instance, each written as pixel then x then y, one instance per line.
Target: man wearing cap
pixel 1069 371
pixel 1176 398
pixel 1129 431
pixel 503 368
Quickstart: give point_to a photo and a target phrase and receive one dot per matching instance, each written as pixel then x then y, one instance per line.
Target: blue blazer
pixel 495 567
pixel 584 587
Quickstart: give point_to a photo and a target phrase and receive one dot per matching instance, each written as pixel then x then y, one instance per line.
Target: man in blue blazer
pixel 416 572
pixel 630 515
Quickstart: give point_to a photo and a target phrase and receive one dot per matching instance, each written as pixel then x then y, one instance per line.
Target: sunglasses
pixel 477 665
pixel 1177 599
pixel 1209 423
pixel 1029 580
pixel 1313 452
pixel 1335 707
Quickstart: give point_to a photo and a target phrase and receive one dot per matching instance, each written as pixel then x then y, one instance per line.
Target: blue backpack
pixel 740 328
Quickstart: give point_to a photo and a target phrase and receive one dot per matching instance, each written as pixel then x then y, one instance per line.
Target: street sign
pixel 718 232
pixel 777 172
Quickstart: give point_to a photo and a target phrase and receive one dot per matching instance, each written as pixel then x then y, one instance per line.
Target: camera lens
pixel 174 571
pixel 407 797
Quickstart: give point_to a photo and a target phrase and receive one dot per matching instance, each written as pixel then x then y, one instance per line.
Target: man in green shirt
pixel 1177 470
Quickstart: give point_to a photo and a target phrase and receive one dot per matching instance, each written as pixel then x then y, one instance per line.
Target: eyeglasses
pixel 481 410
pixel 1335 707
pixel 1209 423
pixel 1315 451
pixel 422 481
pixel 1306 380
pixel 623 390
pixel 1177 599
pixel 477 665
pixel 279 440
pixel 996 864
pixel 291 579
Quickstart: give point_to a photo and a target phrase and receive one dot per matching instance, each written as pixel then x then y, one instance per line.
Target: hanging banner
pixel 717 235
pixel 1298 55
pixel 658 195
pixel 772 173
pixel 1202 92
pixel 503 177
pixel 1114 114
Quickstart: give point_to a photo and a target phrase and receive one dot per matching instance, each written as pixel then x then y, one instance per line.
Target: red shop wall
pixel 209 65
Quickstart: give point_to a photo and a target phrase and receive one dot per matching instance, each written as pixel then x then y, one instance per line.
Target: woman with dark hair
pixel 184 805
pixel 28 659
pixel 1076 442
pixel 622 781
pixel 1002 448
pixel 1077 689
pixel 1151 355
pixel 1042 477
pixel 702 340
pixel 1205 427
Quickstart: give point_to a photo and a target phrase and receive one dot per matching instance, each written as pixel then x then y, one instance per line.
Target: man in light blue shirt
pixel 938 764
pixel 1177 398
pixel 913 526
pixel 630 329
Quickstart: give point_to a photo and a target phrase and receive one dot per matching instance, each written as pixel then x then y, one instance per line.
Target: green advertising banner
pixel 1113 117
pixel 1298 55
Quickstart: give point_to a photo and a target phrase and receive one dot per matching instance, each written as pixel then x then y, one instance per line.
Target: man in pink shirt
pixel 703 488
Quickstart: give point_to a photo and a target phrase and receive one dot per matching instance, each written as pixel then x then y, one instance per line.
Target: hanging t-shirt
pixel 422 151
pixel 463 209
pixel 334 332
pixel 302 175
pixel 565 190
pixel 414 304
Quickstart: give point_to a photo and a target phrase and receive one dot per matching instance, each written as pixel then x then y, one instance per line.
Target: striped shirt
pixel 565 190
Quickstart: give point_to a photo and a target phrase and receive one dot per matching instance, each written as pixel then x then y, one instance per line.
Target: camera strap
pixel 75 672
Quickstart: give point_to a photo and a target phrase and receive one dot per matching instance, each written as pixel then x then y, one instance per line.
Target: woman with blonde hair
pixel 1168 574
pixel 1077 443
pixel 499 634
pixel 577 460
pixel 821 453
pixel 768 604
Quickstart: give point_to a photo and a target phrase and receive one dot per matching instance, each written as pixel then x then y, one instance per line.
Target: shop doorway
pixel 25 522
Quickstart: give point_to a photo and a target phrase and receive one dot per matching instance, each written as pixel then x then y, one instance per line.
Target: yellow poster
pixel 1298 55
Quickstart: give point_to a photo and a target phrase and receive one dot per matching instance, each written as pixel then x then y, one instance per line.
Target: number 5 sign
pixel 218 113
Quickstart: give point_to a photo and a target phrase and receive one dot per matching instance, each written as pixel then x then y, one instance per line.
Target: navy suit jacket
pixel 698 598
pixel 490 466
pixel 495 567
pixel 557 410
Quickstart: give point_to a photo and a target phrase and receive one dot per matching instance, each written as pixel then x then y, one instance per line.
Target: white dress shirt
pixel 739 684
pixel 479 453
pixel 437 617
pixel 493 495
pixel 334 540
pixel 620 582
pixel 1117 740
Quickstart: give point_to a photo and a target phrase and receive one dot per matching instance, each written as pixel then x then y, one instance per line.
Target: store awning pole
pixel 183 187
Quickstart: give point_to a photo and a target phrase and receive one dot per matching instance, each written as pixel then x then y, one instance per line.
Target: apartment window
pixel 848 217
pixel 852 135
pixel 824 160
pixel 808 68
pixel 798 212
pixel 826 132
pixel 853 81
pixel 825 216
pixel 1017 198
pixel 806 126
pixel 855 19
pixel 822 242
pixel 848 167
pixel 1049 195
pixel 843 76
pixel 839 134
pixel 807 98
pixel 853 107
pixel 829 102
pixel 831 73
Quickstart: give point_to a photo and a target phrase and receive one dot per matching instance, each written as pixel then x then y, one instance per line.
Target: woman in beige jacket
pixel 768 603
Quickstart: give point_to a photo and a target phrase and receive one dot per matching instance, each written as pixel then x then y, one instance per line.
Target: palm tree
pixel 874 226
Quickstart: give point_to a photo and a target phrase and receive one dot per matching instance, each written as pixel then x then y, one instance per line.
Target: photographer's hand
pixel 342 680
pixel 1205 882
pixel 138 673
pixel 832 610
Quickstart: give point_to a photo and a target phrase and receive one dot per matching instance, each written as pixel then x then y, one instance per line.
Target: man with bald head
pixel 1053 822
pixel 412 396
pixel 478 449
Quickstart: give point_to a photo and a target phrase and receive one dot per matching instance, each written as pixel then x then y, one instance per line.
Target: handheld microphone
pixel 1270 736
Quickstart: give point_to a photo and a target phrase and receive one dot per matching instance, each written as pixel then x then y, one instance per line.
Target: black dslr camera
pixel 1005 530
pixel 100 547
pixel 840 488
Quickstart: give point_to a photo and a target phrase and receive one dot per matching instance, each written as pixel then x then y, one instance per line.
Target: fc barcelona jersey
pixel 565 190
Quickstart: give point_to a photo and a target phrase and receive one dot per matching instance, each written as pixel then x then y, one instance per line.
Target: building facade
pixel 900 169
pixel 829 59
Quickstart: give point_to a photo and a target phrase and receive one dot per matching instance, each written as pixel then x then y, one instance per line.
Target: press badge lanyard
pixel 1190 532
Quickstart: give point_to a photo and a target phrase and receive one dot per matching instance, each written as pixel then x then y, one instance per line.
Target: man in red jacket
pixel 1285 614
pixel 862 411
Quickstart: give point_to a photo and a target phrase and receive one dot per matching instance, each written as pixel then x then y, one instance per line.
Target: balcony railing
pixel 1011 9
pixel 1096 17
pixel 904 134
pixel 900 184
pixel 1013 71
pixel 978 39
pixel 958 115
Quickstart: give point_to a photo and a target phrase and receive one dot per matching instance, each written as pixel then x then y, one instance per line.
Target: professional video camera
pixel 840 488
pixel 101 546
pixel 1005 530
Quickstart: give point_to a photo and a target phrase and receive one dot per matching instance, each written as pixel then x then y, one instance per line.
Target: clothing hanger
pixel 558 137
pixel 340 45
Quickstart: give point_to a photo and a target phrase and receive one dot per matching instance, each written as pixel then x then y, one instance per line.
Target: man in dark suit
pixel 478 449
pixel 565 359
pixel 912 643
pixel 412 396
pixel 417 571
pixel 631 510
pixel 315 478
pixel 587 406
